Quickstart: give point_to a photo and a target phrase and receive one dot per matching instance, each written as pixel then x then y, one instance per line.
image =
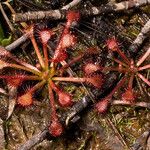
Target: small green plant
pixel 3 40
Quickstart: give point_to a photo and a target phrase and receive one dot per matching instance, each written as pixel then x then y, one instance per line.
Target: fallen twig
pixel 12 100
pixel 60 14
pixel 6 18
pixel 117 133
pixel 141 142
pixel 2 138
pixel 34 140
pixel 71 4
pixel 18 42
pixel 140 38
pixel 138 104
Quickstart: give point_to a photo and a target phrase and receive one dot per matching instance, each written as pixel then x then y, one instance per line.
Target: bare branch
pixel 2 138
pixel 138 104
pixel 141 142
pixel 6 18
pixel 34 140
pixel 17 43
pixel 140 38
pixel 71 4
pixel 60 14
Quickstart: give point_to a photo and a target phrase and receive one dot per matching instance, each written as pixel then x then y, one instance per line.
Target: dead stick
pixel 6 18
pixel 71 4
pixel 140 38
pixel 141 142
pixel 60 14
pixel 138 104
pixel 34 140
pixel 18 42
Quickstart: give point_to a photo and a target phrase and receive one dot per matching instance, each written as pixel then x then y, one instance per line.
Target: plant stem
pixel 69 79
pixel 60 14
pixel 6 18
pixel 138 104
pixel 18 42
pixel 123 56
pixel 53 86
pixel 144 67
pixel 141 60
pixel 120 62
pixel 45 55
pixel 52 103
pixel 24 77
pixel 131 81
pixel 71 62
pixel 22 68
pixel 140 38
pixel 115 69
pixel 37 86
pixel 143 78
pixel 120 83
pixel 37 51
pixel 9 6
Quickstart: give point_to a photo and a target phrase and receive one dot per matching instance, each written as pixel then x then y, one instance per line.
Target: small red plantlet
pixel 47 73
pixel 25 100
pixel 130 69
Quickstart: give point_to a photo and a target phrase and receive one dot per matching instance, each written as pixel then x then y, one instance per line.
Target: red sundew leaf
pixel 95 80
pixel 128 95
pixel 112 44
pixel 66 41
pixel 55 128
pixel 102 105
pixel 25 100
pixel 14 82
pixel 72 16
pixel 4 52
pixel 45 35
pixel 59 56
pixel 90 68
pixel 3 64
pixel 64 99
